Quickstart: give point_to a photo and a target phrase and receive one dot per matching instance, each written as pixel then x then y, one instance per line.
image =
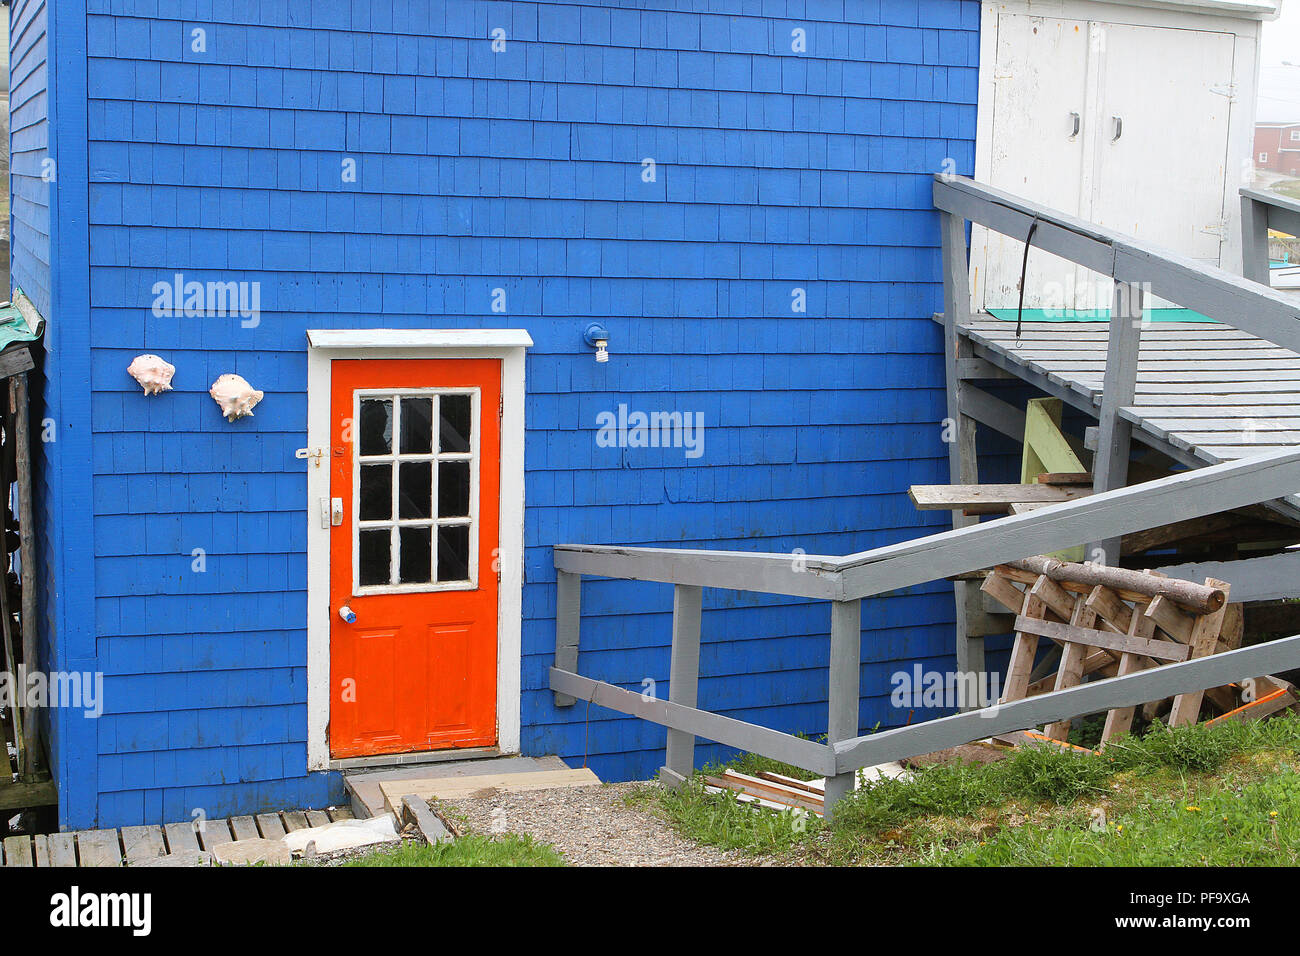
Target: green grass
pixel 472 849
pixel 1290 187
pixel 1042 806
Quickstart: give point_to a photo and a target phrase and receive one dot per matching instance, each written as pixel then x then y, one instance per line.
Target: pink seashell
pixel 152 372
pixel 235 396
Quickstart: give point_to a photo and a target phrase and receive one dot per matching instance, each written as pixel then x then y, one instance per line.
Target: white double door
pixel 1122 125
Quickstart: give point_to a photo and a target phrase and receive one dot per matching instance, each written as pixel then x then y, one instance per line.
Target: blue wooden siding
pixel 522 171
pixel 29 208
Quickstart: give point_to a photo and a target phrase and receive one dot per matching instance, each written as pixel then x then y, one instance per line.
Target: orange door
pixel 414 482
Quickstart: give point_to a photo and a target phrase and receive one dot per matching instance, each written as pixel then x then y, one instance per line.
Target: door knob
pixel 348 615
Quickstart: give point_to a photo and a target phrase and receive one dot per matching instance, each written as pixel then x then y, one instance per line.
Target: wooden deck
pixel 136 844
pixel 1206 392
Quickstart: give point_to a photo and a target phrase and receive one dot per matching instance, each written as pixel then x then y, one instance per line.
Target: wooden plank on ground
pixel 181 837
pixel 1257 709
pixel 343 813
pixel 295 820
pixel 244 827
pixel 143 843
pixel 41 845
pixel 99 848
pixel 63 849
pixel 270 826
pixel 816 787
pixel 18 851
pixel 213 833
pixel 317 818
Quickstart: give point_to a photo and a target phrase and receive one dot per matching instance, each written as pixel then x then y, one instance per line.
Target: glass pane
pixel 415 488
pixel 453 489
pixel 376 492
pixel 417 426
pixel 417 559
pixel 373 556
pixel 376 426
pixel 453 410
pixel 453 553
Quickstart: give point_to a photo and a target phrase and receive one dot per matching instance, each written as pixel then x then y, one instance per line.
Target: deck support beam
pixel 1254 239
pixel 844 690
pixel 568 619
pixel 684 677
pixel 959 434
pixel 1119 390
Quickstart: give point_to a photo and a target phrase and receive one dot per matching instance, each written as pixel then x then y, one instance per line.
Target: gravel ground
pixel 591 826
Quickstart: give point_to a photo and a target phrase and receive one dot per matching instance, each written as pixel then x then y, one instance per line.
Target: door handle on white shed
pixel 1075 119
pixel 1118 126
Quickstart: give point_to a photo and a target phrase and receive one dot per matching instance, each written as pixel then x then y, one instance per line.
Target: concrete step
pixel 367 799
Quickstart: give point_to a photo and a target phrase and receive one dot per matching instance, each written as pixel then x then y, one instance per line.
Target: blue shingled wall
pixel 519 170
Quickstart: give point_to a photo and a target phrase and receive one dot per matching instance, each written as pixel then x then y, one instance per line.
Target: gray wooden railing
pixel 1260 212
pixel 846 580
pixel 1137 268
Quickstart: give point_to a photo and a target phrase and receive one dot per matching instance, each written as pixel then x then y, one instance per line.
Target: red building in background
pixel 1277 147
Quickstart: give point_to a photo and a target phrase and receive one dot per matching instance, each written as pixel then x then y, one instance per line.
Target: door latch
pixel 316 454
pixel 331 512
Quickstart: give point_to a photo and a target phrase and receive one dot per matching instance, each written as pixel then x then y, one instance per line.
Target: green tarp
pixel 14 326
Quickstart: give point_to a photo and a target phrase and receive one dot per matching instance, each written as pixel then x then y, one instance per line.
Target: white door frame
pixel 324 347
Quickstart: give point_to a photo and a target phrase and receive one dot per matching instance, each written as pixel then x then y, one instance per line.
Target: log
pixel 1201 598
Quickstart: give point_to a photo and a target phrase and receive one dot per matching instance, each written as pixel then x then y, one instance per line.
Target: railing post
pixel 1119 389
pixel 963 464
pixel 683 679
pixel 1254 240
pixel 568 618
pixel 844 691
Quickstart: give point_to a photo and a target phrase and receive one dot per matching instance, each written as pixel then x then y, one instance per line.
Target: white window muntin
pixel 394 522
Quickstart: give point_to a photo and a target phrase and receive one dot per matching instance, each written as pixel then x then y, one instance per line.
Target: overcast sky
pixel 1279 85
pixel 1282 36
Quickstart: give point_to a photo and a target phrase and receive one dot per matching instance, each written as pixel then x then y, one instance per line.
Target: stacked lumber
pixel 773 791
pixel 1111 622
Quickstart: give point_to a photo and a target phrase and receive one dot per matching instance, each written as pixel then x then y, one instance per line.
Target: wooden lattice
pixel 1135 620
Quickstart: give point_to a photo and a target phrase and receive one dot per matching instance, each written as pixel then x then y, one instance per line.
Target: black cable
pixel 1024 266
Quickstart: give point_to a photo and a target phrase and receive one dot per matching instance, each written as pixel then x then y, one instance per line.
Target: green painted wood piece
pixel 1047 450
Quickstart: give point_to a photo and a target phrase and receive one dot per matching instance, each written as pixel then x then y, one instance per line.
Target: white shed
pixel 1137 115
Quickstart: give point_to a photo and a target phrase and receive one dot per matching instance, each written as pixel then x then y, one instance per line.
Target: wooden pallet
pixel 134 845
pixel 1110 622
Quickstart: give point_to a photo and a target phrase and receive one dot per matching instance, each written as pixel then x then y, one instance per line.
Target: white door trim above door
pixel 324 347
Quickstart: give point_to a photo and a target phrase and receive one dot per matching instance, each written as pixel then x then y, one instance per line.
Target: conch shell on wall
pixel 235 396
pixel 152 372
